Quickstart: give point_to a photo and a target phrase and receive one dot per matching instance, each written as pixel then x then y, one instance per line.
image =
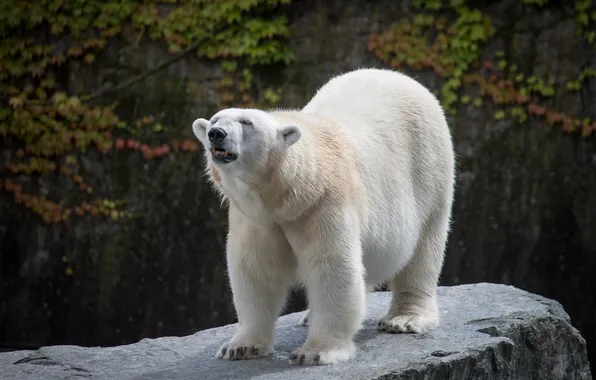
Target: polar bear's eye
pixel 245 122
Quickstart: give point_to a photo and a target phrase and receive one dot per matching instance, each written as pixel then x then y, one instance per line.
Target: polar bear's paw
pixel 323 353
pixel 242 350
pixel 409 323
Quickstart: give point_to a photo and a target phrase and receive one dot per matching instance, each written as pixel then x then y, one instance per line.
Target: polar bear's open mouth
pixel 223 155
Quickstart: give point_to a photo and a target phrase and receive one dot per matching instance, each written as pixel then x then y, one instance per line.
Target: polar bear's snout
pixel 216 135
pixel 220 147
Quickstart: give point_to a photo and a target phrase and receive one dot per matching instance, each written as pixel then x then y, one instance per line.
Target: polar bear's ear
pixel 199 127
pixel 289 134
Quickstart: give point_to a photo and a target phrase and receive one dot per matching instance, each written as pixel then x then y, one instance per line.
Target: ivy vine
pixel 452 49
pixel 47 129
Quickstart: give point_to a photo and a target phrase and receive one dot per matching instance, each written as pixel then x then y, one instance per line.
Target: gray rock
pixel 488 331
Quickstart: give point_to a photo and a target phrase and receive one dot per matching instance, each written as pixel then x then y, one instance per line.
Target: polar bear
pixel 352 190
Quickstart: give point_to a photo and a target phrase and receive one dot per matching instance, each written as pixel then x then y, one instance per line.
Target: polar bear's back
pixel 393 120
pixel 405 150
pixel 368 98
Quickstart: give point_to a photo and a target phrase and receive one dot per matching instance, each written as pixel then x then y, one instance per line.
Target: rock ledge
pixel 487 332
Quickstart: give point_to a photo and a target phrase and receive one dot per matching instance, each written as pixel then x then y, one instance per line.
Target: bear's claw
pixel 304 320
pixel 416 324
pixel 241 352
pixel 320 354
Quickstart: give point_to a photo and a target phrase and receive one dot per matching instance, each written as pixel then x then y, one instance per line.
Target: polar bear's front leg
pixel 261 268
pixel 304 320
pixel 329 255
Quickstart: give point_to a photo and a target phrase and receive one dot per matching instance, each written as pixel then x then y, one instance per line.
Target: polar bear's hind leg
pixel 413 306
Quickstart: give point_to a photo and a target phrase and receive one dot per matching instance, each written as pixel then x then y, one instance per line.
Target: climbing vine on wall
pixel 47 127
pixel 448 38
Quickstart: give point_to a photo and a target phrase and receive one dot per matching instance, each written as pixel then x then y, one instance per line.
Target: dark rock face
pixel 487 332
pixel 524 214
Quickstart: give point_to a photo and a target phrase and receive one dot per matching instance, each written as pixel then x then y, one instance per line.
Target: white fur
pixel 353 190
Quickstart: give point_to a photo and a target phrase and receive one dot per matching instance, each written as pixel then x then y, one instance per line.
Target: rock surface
pixel 488 331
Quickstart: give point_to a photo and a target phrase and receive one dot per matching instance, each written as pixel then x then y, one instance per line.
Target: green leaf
pixel 499 115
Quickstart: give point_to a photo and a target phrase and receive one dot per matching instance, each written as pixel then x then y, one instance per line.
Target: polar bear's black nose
pixel 216 135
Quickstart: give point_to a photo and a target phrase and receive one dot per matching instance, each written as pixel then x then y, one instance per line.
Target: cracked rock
pixel 487 331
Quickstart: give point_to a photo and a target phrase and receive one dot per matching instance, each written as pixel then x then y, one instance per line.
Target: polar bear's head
pixel 238 139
